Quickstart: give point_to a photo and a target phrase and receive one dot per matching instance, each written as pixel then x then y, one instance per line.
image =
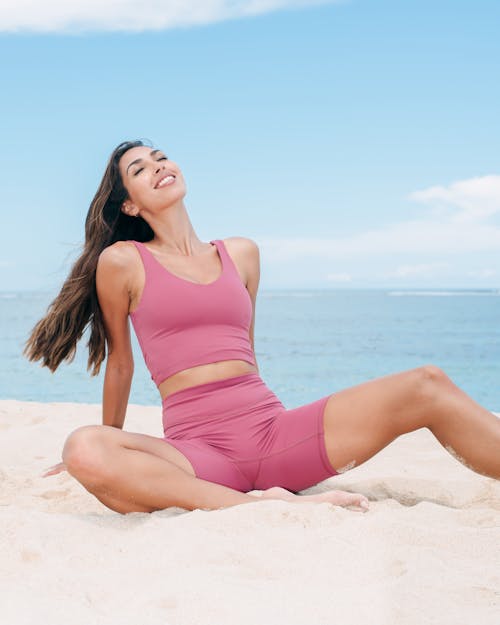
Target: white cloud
pixel 411 237
pixel 461 232
pixel 449 247
pixel 475 198
pixel 482 273
pixel 132 15
pixel 423 269
pixel 339 277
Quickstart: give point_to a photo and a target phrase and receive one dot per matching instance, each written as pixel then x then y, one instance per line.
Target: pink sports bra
pixel 181 324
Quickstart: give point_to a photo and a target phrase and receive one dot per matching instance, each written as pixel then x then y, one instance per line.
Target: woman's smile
pixel 166 180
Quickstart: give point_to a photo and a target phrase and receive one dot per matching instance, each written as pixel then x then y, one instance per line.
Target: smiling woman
pixel 192 305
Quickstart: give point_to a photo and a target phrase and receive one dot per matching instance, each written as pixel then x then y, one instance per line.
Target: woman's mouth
pixel 165 181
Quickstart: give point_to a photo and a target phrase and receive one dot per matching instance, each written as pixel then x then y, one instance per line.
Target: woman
pixel 192 305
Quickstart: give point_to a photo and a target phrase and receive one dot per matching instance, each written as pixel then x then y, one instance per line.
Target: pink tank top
pixel 181 324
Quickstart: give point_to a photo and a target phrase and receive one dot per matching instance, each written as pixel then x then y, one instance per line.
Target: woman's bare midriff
pixel 203 374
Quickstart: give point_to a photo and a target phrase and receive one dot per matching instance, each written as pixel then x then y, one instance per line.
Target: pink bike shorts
pixel 236 432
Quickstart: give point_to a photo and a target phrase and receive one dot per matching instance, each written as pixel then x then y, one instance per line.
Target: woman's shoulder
pixel 119 255
pixel 245 253
pixel 244 244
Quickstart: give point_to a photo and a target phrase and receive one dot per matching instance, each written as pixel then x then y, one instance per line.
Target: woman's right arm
pixel 113 284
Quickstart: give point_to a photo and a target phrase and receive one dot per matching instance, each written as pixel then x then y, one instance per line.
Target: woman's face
pixel 152 181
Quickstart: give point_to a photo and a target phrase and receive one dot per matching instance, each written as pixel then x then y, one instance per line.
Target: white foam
pixel 444 293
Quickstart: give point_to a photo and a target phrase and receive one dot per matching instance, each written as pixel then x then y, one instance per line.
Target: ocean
pixel 308 343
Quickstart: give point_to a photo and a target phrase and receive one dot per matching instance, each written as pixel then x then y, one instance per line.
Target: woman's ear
pixel 129 209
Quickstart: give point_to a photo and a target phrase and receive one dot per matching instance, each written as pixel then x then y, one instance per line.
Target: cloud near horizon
pixel 131 16
pixel 428 236
pixel 429 241
pixel 475 198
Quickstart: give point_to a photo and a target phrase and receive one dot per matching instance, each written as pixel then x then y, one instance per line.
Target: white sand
pixel 428 551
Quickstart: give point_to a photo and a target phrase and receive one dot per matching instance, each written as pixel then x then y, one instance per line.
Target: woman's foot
pixel 336 497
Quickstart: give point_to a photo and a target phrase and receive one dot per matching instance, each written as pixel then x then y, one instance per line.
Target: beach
pixel 425 552
pixel 344 155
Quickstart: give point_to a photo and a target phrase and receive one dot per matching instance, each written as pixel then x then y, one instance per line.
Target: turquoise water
pixel 308 344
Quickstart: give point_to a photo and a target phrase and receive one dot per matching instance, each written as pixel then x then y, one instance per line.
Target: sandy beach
pixel 426 552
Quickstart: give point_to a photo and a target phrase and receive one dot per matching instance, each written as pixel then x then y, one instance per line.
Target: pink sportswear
pixel 181 324
pixel 236 431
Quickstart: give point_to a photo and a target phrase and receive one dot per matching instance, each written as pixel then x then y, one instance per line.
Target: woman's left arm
pixel 251 257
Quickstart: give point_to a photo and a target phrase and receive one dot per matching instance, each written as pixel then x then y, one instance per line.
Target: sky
pixel 356 141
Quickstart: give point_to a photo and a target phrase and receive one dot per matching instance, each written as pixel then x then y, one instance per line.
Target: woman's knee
pixel 431 381
pixel 83 451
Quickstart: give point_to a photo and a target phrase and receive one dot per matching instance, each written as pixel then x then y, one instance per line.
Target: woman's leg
pixel 130 472
pixel 362 420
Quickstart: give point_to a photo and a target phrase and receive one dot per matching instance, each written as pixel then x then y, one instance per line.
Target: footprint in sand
pixel 30 555
pixel 488 594
pixel 380 492
pixel 398 568
pixel 54 494
pixel 168 603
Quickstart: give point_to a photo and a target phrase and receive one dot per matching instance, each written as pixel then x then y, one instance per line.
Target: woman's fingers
pixel 355 499
pixel 57 468
pixel 345 499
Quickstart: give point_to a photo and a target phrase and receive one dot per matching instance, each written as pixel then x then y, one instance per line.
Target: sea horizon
pixel 308 343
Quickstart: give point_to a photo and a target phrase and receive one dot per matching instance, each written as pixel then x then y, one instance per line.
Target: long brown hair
pixel 54 338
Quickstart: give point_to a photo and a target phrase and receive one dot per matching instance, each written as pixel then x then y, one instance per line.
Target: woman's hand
pixel 57 468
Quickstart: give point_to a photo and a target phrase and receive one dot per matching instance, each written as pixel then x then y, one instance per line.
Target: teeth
pixel 165 181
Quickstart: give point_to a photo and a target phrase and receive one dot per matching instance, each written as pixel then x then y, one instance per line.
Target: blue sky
pixel 356 142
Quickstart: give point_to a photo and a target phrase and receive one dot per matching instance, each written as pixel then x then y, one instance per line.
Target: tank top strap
pixel 227 262
pixel 148 259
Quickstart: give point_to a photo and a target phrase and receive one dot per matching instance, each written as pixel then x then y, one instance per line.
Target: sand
pixel 428 550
